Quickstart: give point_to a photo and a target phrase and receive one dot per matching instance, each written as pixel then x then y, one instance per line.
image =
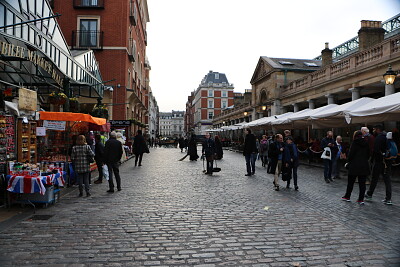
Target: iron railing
pixel 87 39
pixel 88 3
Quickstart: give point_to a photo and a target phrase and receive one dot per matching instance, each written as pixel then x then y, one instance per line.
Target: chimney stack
pixel 370 34
pixel 326 55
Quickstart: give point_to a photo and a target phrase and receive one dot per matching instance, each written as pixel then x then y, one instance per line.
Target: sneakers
pixel 345 199
pixel 360 202
pixel 387 202
pixel 368 197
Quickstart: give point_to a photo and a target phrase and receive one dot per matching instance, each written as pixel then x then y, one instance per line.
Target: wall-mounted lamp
pixel 390 75
pixel 264 108
pixel 245 113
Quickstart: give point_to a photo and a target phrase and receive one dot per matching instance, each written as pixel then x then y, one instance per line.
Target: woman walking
pixel 139 147
pixel 80 157
pixel 192 148
pixel 358 166
pixel 263 150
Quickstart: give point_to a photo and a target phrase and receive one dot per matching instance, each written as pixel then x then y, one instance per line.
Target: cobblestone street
pixel 170 214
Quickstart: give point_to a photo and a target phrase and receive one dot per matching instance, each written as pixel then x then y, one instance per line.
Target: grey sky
pixel 187 38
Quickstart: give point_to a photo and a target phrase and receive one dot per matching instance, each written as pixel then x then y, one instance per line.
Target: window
pixel 210 103
pixel 88 34
pixel 210 93
pixel 210 115
pixel 286 63
pixel 224 104
pixel 310 64
pixel 217 76
pixel 224 93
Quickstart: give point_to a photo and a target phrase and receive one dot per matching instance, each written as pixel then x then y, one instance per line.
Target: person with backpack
pixel 380 166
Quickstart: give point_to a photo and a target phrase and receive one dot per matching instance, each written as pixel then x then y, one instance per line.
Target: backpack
pixel 391 152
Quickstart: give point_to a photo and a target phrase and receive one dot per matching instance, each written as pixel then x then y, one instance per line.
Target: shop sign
pixel 11 50
pixel 40 131
pixel 120 123
pixel 27 99
pixel 54 125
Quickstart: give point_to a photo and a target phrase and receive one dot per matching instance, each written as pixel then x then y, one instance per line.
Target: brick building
pixel 116 32
pixel 213 95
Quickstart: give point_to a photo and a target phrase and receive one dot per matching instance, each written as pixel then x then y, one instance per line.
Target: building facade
pixel 172 124
pixel 213 95
pixel 116 32
pixel 153 116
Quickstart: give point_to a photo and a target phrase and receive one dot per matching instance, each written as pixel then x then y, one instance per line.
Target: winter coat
pixel 112 151
pixel 290 155
pixel 208 147
pixel 250 144
pixel 274 150
pixel 79 157
pixel 380 147
pixel 192 149
pixel 218 149
pixel 139 145
pixel 358 159
pixel 99 151
pixel 264 144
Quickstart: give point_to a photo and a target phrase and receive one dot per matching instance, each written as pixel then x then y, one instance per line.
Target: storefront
pixel 38 72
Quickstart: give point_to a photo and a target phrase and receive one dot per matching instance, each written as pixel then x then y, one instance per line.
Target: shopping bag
pixel 326 154
pixel 105 172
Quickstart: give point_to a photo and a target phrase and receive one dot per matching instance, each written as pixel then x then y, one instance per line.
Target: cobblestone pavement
pixel 170 214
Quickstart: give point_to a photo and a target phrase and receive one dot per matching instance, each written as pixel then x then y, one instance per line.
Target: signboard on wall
pixel 27 99
pixel 120 123
pixel 54 125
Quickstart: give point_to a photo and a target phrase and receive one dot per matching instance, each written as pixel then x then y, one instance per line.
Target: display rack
pixel 26 140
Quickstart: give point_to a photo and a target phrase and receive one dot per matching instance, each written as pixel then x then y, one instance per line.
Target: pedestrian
pixel 112 157
pixel 250 152
pixel 271 164
pixel 192 148
pixel 287 133
pixel 328 144
pixel 370 140
pixel 291 157
pixel 208 152
pixel 98 157
pixel 358 166
pixel 379 165
pixel 181 142
pixel 263 150
pixel 80 157
pixel 119 138
pixel 139 147
pixel 219 153
pixel 338 155
pixel 276 149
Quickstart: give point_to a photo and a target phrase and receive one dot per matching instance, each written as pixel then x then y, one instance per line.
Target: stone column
pixel 295 107
pixel 311 104
pixel 277 107
pixel 331 98
pixel 389 89
pixel 355 93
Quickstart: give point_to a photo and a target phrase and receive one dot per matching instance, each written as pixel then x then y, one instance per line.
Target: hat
pixel 389 135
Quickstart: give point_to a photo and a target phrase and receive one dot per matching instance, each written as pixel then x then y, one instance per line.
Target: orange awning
pixel 69 116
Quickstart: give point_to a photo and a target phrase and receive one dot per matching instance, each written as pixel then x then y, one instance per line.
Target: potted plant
pixel 57 98
pixel 100 111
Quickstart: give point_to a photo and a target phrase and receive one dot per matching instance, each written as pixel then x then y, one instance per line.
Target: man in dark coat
pixel 358 162
pixel 139 147
pixel 112 156
pixel 98 157
pixel 379 166
pixel 208 152
pixel 250 152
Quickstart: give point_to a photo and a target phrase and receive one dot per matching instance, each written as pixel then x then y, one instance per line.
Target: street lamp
pixel 389 76
pixel 245 113
pixel 264 107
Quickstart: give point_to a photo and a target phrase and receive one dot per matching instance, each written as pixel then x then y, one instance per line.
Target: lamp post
pixel 245 115
pixel 390 77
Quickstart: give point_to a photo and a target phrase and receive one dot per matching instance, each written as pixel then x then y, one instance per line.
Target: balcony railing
pixel 87 39
pixel 88 3
pixel 133 13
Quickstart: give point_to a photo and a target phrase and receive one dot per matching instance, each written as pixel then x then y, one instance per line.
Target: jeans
pixel 327 169
pixel 113 167
pixel 378 170
pixel 251 163
pixel 210 166
pixel 277 172
pixel 361 184
pixel 83 178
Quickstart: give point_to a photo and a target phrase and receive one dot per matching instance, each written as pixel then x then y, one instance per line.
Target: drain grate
pixel 40 217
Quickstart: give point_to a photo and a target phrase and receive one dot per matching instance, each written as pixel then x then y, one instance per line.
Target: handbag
pixel 90 157
pixel 326 154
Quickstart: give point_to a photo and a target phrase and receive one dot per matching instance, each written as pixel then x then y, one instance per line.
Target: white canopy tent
pixel 386 108
pixel 335 117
